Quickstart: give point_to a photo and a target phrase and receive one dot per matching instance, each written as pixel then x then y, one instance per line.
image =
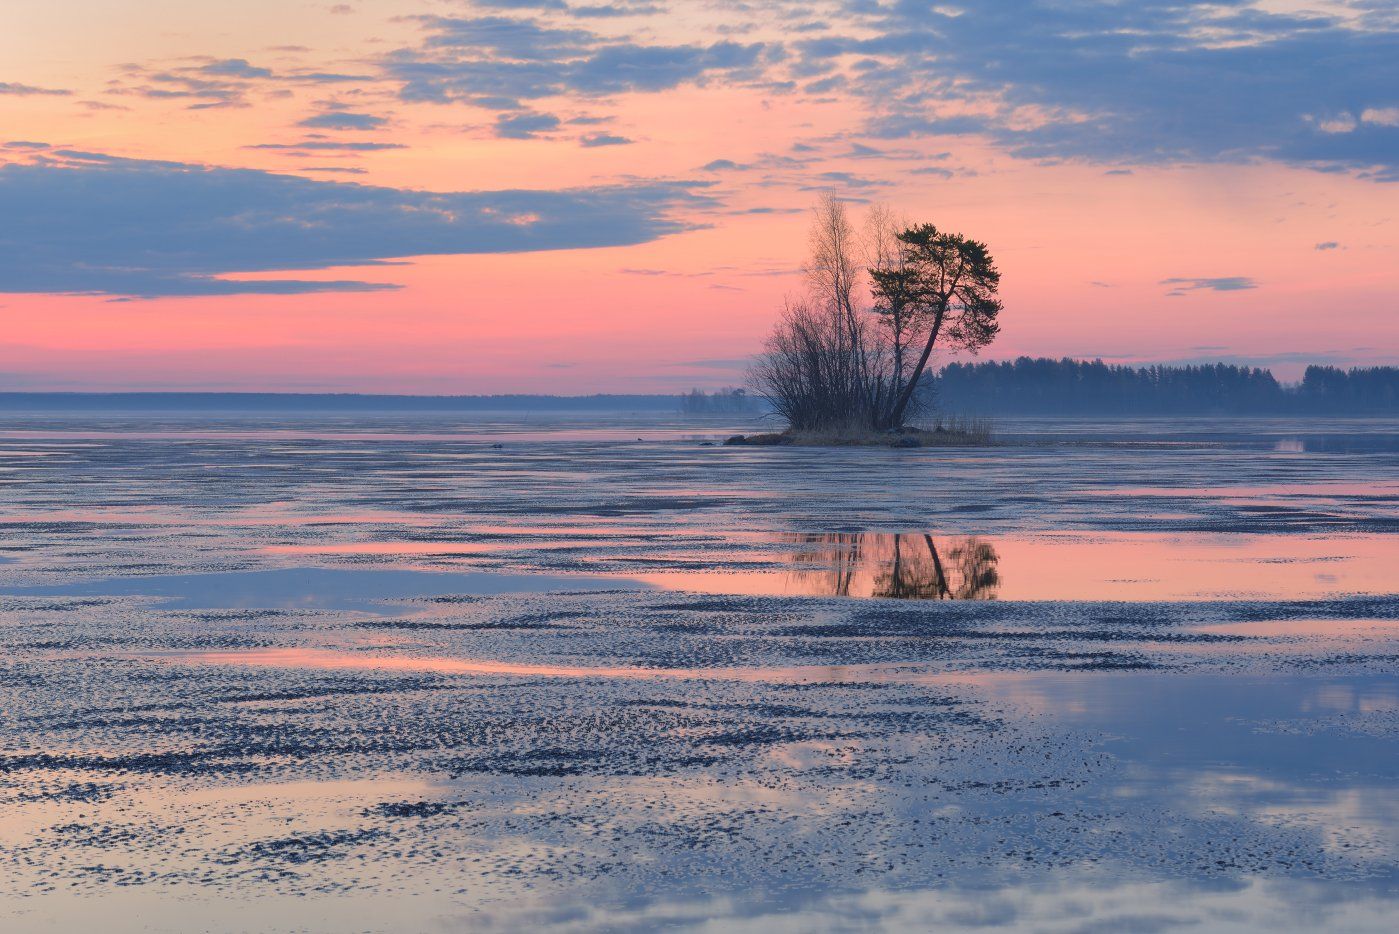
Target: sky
pixel 568 196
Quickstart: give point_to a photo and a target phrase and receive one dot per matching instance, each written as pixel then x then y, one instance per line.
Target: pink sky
pixel 1270 209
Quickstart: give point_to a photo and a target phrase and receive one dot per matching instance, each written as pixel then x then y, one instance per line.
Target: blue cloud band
pixel 88 223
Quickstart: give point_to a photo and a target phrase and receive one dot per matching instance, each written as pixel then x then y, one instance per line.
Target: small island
pixel 846 362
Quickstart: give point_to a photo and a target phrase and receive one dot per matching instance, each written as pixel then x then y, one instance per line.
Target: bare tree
pixel 822 368
pixel 833 268
pixel 810 369
pixel 885 257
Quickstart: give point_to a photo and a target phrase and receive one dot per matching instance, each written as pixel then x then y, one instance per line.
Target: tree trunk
pixel 896 417
pixel 944 589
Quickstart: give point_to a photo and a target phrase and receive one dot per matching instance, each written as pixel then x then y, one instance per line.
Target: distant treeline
pixel 726 401
pixel 321 402
pixel 1029 386
pixel 1055 387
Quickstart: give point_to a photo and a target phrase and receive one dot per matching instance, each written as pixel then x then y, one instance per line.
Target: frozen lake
pixel 450 672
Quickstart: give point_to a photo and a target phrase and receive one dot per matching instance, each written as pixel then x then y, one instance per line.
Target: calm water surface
pixel 395 673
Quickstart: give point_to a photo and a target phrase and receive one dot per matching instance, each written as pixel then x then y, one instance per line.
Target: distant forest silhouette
pixel 1041 386
pixel 1029 385
pixel 727 401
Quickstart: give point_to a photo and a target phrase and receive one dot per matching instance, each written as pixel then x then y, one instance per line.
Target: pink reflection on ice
pixel 1321 488
pixel 382 548
pixel 1306 628
pixel 336 660
pixel 1064 566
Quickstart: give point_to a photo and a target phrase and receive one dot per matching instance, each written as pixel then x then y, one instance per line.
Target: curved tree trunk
pixel 896 416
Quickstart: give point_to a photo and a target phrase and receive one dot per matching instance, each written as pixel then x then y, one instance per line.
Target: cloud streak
pixel 497 61
pixel 218 83
pixel 525 125
pixel 13 89
pixel 87 223
pixel 1182 285
pixel 343 120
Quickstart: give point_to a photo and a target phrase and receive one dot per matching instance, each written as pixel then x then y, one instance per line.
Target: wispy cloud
pixel 218 83
pixel 28 90
pixel 343 120
pixel 234 68
pixel 733 363
pixel 329 145
pixel 525 125
pixel 594 140
pixel 1182 285
pixel 617 10
pixel 497 60
pixel 74 222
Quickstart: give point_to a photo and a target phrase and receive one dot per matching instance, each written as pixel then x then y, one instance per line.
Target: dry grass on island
pixel 951 431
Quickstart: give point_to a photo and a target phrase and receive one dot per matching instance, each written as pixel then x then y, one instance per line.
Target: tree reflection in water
pixel 905 566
